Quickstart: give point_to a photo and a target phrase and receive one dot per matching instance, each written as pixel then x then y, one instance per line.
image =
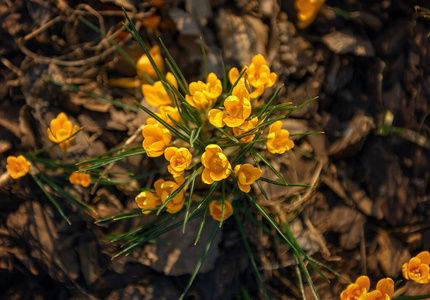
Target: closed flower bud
pixel 60 130
pixel 83 179
pixel 216 164
pixel 244 128
pixel 17 166
pixel 246 175
pixel 147 200
pixel 279 141
pixel 215 209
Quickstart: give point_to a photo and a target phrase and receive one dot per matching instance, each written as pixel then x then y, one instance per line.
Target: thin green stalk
pixel 250 255
pixel 205 61
pixel 57 206
pixel 200 262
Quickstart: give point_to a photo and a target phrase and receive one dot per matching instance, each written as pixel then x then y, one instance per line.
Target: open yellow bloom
pixel 164 189
pixel 203 96
pixel 259 73
pixel 156 138
pixel 357 290
pixel 216 164
pixel 384 290
pixel 83 179
pixel 61 129
pixel 279 141
pixel 145 65
pixel 246 175
pixel 179 159
pixel 156 95
pixel 215 209
pixel 244 128
pixel 418 268
pixel 17 166
pixel 147 200
pixel 237 108
pixel 307 11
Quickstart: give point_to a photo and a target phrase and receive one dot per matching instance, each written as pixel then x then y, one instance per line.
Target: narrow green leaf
pixel 57 206
pixel 176 67
pixel 284 184
pixel 180 188
pixel 202 223
pixel 164 123
pixel 248 249
pixel 299 278
pixel 200 262
pixel 307 133
pixel 205 61
pixel 190 199
pixel 118 48
pixel 77 89
pixel 269 165
pixel 271 221
pixel 222 203
pixel 79 203
pixel 269 103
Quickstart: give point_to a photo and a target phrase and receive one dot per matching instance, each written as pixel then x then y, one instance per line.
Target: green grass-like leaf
pixel 248 249
pixel 57 206
pixel 200 262
pixel 79 203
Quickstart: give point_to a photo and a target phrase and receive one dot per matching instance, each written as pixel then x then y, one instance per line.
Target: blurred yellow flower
pixel 164 189
pixel 279 141
pixel 179 160
pixel 203 96
pixel 215 209
pixel 165 111
pixel 246 175
pixel 156 138
pixel 237 108
pixel 145 65
pixel 83 179
pixel 307 11
pixel 147 200
pixel 244 128
pixel 17 166
pixel 156 95
pixel 61 129
pixel 216 164
pixel 384 290
pixel 357 290
pixel 418 268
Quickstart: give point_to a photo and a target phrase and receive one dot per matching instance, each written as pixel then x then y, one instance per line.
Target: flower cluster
pixel 360 290
pixel 185 130
pixel 417 269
